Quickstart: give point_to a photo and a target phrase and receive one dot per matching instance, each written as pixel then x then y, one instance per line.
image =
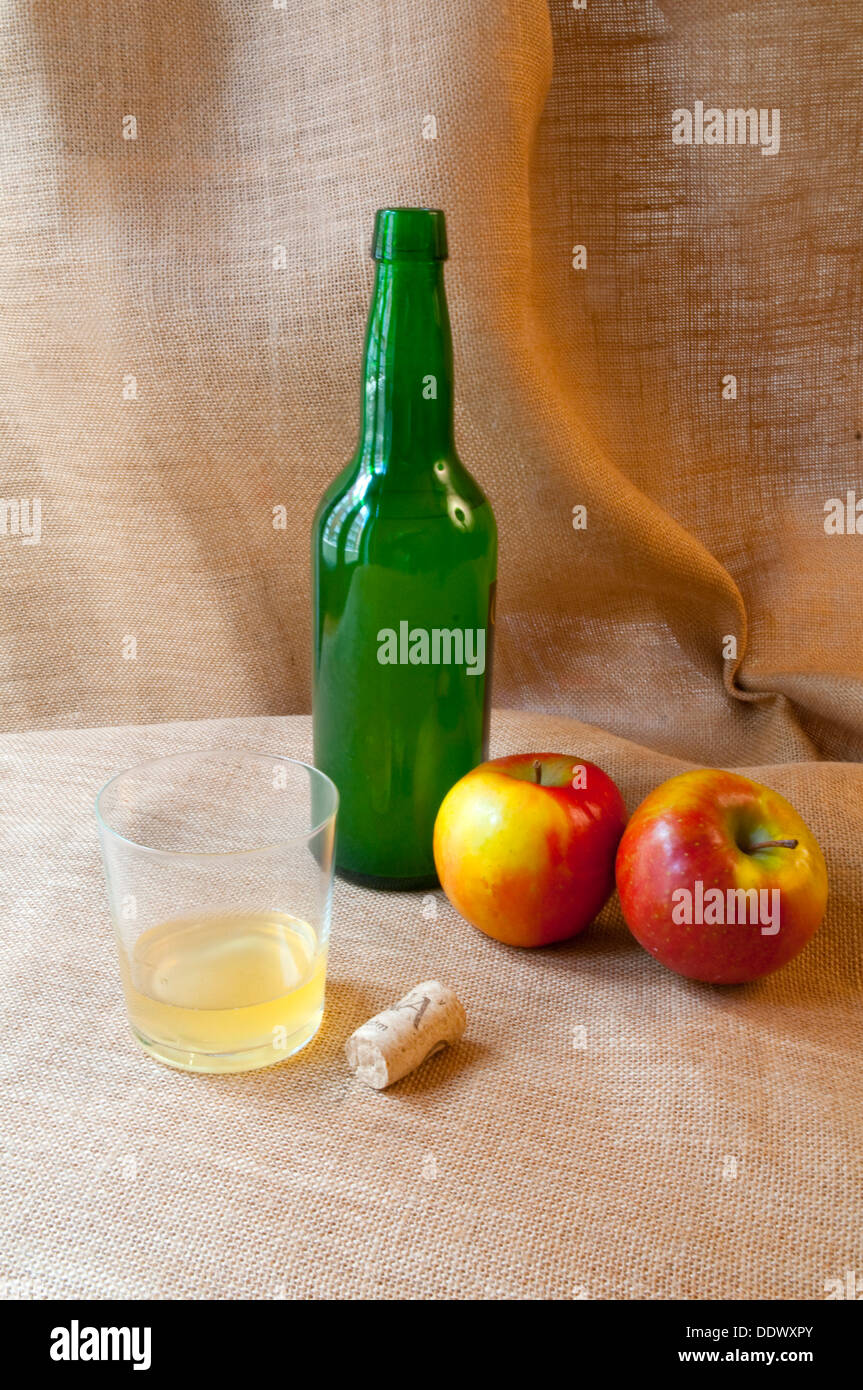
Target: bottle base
pixel 383 884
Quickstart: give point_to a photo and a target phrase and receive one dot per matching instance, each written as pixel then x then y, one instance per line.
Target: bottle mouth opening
pixel 410 234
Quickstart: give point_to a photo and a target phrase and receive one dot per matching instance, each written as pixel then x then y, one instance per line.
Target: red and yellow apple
pixel 719 877
pixel 524 846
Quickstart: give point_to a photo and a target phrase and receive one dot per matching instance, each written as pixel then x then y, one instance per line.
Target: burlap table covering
pixel 606 1129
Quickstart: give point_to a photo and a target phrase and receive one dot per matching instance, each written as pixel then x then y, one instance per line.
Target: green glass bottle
pixel 404 556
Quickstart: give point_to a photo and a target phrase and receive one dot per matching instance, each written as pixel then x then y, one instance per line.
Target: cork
pixel 395 1042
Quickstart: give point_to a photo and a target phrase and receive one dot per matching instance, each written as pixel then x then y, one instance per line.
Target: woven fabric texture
pixel 183 326
pixel 188 197
pixel 606 1129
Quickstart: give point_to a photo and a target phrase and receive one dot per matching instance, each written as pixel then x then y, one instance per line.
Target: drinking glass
pixel 219 869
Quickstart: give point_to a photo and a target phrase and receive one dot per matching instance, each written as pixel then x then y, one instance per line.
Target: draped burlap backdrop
pixel 183 316
pixel 216 270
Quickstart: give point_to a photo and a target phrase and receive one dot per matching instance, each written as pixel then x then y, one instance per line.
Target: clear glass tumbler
pixel 219 868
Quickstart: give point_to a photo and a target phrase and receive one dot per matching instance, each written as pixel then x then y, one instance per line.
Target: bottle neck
pixel 407 408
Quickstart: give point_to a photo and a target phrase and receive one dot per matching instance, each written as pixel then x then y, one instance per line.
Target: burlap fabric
pixel 606 1129
pixel 183 315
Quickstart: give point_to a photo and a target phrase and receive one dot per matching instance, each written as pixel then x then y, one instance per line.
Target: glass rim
pixel 280 843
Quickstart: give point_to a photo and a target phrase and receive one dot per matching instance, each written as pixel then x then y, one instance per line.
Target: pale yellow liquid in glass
pixel 225 993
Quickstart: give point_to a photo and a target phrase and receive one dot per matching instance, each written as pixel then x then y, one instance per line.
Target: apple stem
pixel 537 773
pixel 775 844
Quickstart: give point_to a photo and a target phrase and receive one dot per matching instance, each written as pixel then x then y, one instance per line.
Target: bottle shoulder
pixel 443 490
pixel 364 513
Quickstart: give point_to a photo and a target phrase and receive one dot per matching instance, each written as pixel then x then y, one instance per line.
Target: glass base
pixel 212 1063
